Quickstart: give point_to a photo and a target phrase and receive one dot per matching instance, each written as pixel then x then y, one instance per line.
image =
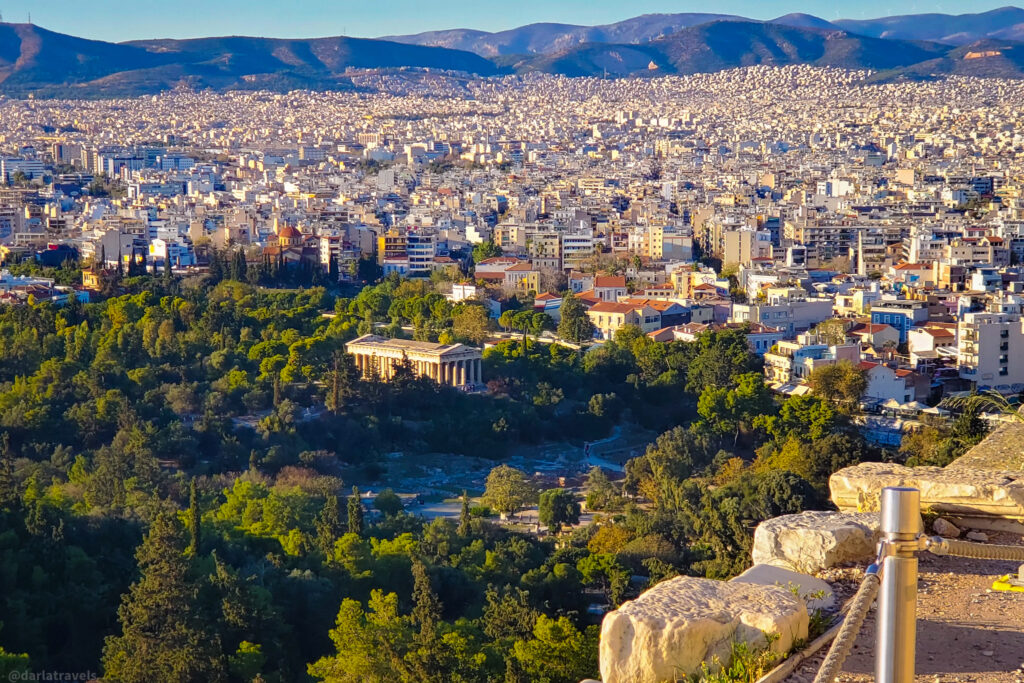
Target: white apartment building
pixel 420 249
pixel 576 248
pixel 991 348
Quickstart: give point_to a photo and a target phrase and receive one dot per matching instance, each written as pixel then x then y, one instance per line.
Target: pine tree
pixel 463 529
pixel 328 526
pixel 164 635
pixel 8 488
pixel 195 525
pixel 355 513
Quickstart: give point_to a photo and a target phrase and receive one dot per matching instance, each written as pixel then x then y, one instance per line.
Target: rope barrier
pixel 861 603
pixel 975 551
pixel 843 643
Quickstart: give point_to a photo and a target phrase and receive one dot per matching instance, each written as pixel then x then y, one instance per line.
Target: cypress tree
pixel 8 489
pixel 328 526
pixel 195 527
pixel 165 637
pixel 355 513
pixel 426 611
pixel 463 529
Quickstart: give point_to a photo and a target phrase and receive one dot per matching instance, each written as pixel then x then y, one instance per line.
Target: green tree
pixel 342 381
pixel 370 646
pixel 485 250
pixel 8 488
pixel 195 525
pixel 574 325
pixel 842 383
pixel 601 494
pixel 388 502
pixel 831 331
pixel 558 652
pixel 164 634
pixel 464 516
pixel 328 526
pixel 605 571
pixel 507 490
pixel 355 513
pixel 720 357
pixel 471 323
pixel 733 409
pixel 426 611
pixel 558 507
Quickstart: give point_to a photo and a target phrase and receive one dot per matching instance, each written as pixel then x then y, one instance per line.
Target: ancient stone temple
pixel 456 365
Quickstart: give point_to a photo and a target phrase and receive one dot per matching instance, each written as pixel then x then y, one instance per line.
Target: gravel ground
pixel 966 632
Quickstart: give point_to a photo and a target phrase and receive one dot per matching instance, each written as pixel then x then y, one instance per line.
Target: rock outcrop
pixel 958 492
pixel 669 631
pixel 811 541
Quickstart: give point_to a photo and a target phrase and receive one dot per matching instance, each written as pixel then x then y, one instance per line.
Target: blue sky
pixel 135 19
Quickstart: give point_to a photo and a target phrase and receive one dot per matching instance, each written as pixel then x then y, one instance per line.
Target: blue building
pixel 901 314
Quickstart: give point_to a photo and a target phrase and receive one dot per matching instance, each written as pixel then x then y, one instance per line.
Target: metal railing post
pixel 897 599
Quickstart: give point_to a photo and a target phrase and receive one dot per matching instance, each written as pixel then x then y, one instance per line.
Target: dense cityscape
pixel 417 380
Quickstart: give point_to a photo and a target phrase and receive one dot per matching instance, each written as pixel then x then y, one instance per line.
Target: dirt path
pixel 965 631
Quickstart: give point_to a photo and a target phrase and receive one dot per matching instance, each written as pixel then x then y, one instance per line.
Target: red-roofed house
pixel 913 273
pixel 874 334
pixel 610 287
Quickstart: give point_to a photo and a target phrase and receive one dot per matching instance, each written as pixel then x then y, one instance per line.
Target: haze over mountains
pixel 36 61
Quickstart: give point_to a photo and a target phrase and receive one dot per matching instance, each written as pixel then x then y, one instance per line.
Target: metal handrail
pixel 893 577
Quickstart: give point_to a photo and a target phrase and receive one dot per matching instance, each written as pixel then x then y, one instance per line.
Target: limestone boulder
pixel 670 630
pixel 956 492
pixel 811 541
pixel 815 593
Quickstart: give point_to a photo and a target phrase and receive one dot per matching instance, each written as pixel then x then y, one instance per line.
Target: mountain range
pixel 39 62
pixel 1004 23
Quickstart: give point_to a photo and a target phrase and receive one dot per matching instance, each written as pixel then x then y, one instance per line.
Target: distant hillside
pixel 1006 22
pixel 800 20
pixel 986 58
pixel 34 60
pixel 729 44
pixel 552 38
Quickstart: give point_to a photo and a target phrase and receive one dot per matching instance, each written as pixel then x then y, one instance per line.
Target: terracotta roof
pixel 656 304
pixel 289 232
pixel 520 268
pixel 613 307
pixel 610 281
pixel 869 328
pixel 546 296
